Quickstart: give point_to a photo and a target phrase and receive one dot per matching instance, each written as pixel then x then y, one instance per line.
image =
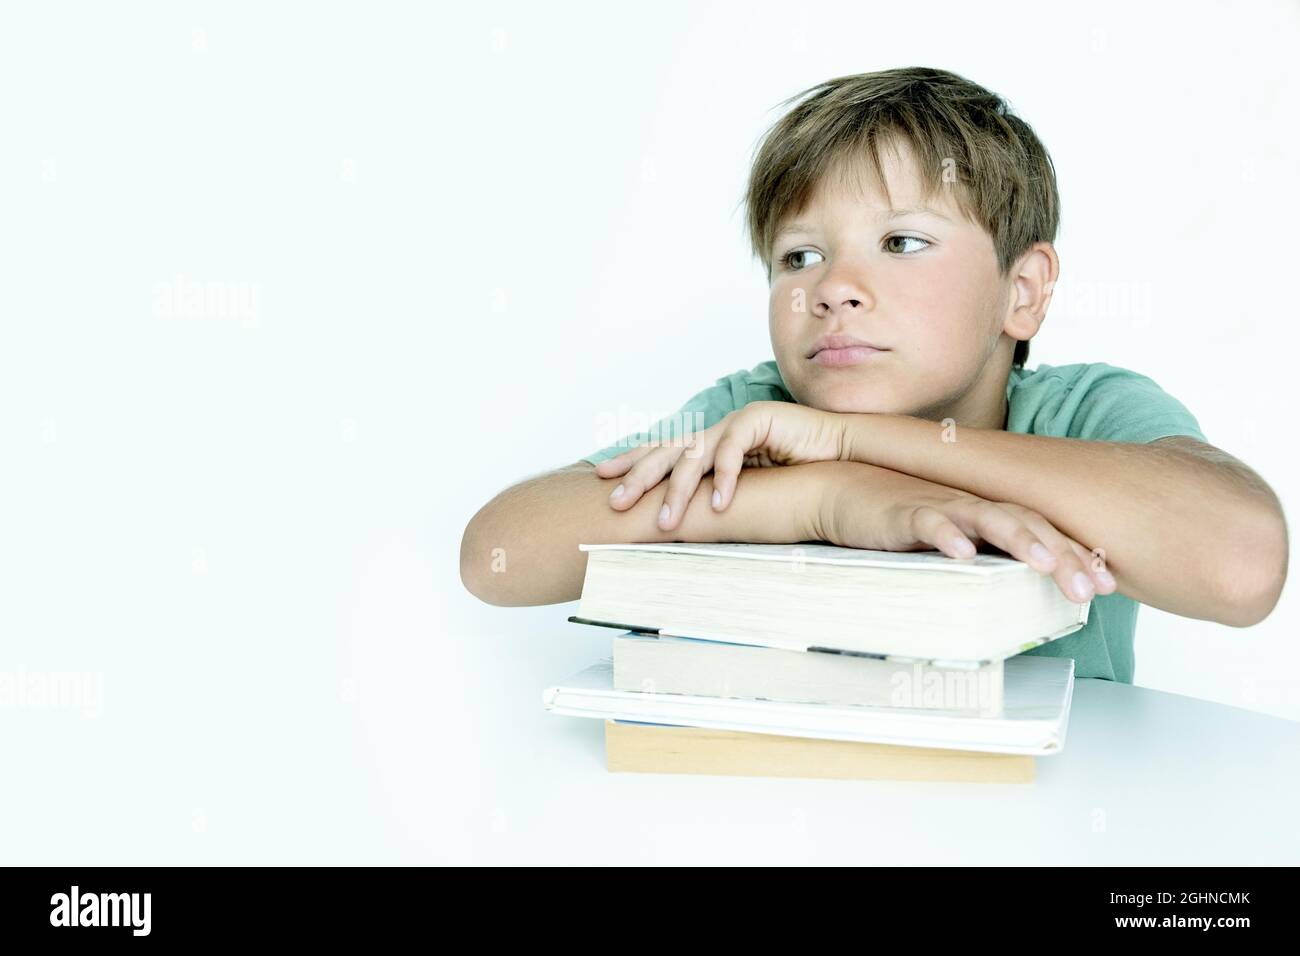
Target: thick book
pixel 914 605
pixel 632 747
pixel 1035 712
pixel 659 664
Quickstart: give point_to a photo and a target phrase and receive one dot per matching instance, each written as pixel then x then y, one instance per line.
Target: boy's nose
pixel 822 308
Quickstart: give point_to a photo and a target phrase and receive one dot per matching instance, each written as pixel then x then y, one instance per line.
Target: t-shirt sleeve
pixel 702 410
pixel 1114 404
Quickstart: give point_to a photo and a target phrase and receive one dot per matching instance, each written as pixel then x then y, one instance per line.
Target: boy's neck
pixel 995 417
pixel 984 405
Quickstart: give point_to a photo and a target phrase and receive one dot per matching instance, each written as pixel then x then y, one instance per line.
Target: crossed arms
pixel 1174 523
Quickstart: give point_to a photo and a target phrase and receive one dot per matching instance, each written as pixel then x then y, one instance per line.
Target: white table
pixel 421 738
pixel 1146 778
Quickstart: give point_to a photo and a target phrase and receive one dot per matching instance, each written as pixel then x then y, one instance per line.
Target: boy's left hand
pixel 759 434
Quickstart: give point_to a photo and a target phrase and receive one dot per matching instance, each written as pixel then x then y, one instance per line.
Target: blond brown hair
pixel 960 134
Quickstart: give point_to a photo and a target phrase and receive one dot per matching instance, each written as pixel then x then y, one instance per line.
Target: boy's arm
pixel 521 548
pixel 1183 526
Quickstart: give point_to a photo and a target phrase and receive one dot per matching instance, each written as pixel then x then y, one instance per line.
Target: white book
pixel 914 605
pixel 683 665
pixel 1035 714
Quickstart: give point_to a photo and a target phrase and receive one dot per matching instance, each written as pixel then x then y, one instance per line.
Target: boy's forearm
pixel 522 547
pixel 1180 532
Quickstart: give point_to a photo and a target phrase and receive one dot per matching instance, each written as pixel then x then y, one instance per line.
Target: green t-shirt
pixel 1092 401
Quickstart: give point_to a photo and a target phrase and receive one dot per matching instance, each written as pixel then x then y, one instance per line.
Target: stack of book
pixel 814 660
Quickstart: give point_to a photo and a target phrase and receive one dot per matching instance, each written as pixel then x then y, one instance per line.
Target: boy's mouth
pixel 834 351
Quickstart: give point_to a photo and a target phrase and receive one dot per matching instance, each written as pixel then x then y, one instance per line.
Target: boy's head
pixel 836 206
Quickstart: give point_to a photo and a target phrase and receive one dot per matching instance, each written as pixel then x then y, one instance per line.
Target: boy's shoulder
pixel 707 407
pixel 1096 401
pixel 762 383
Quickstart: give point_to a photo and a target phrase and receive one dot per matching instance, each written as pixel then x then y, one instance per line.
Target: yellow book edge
pixel 644 748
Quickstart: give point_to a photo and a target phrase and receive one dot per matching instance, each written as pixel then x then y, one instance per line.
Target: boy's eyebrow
pixel 917 210
pixel 893 214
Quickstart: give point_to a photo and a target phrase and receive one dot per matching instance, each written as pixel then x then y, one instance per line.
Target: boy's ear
pixel 1034 279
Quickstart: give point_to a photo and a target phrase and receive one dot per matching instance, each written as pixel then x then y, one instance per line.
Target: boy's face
pixel 925 289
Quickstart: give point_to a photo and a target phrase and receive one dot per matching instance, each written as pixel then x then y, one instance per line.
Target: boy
pixel 906 221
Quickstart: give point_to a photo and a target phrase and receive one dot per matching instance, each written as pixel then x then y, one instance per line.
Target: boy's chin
pixel 850 397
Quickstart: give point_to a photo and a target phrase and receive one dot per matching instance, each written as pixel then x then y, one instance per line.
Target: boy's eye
pixel 790 262
pixel 794 261
pixel 890 247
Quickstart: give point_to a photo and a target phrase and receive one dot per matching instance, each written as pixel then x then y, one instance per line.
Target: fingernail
pixel 717 498
pixel 617 492
pixel 964 548
pixel 1041 554
pixel 664 513
pixel 1106 578
pixel 1082 586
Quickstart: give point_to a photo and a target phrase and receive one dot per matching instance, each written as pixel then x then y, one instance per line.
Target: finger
pixel 1072 576
pixel 620 463
pixel 1095 564
pixel 733 450
pixel 643 476
pixel 1003 527
pixel 938 530
pixel 694 462
pixel 728 459
pixel 1075 558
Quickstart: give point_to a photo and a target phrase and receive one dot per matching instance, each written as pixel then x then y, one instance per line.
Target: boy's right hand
pixel 898 512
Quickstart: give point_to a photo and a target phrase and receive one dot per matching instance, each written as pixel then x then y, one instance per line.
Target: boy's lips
pixel 833 351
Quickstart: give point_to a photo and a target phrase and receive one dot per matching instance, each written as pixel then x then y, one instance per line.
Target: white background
pixel 471 234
